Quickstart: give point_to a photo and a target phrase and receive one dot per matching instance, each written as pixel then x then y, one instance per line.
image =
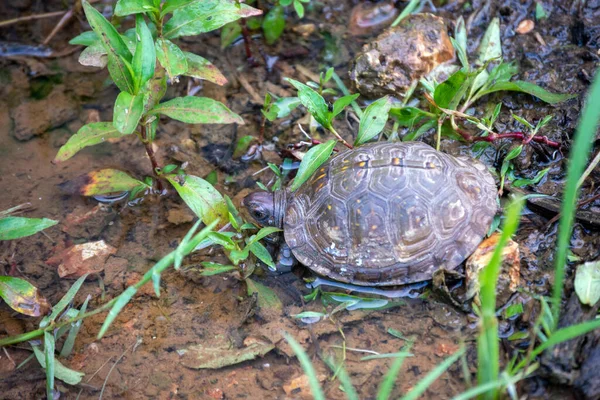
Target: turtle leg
pixel 285 259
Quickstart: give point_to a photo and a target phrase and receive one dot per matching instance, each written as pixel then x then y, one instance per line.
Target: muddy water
pixel 144 345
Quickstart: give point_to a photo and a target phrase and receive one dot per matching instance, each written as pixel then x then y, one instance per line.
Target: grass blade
pixel 487 342
pixel 344 378
pixel 49 358
pixel 64 302
pixel 70 340
pixel 307 366
pixel 387 384
pixel 424 383
pixel 584 138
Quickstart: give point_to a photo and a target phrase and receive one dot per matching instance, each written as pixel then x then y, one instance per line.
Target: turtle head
pixel 267 209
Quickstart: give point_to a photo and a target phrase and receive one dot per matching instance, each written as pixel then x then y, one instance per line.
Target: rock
pixel 400 55
pixel 34 117
pixel 82 259
pixel 299 388
pixel 510 270
pixel 88 224
pixel 367 18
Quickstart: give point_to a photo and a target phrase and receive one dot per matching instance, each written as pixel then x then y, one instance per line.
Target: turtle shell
pixel 390 214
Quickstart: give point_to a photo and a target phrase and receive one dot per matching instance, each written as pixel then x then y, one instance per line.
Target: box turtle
pixel 384 213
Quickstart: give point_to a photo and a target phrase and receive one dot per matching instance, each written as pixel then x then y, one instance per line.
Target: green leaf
pixel 587 283
pixel 450 92
pixel 263 232
pixel 70 341
pixel 20 227
pixel 211 268
pixel 524 182
pixel 281 108
pixel 342 103
pixel 171 57
pixel 408 116
pixel 201 68
pixel 202 198
pixel 262 254
pixel 119 55
pixel 87 38
pixel 172 5
pixel 127 7
pixel 229 33
pixel 299 8
pixel 121 302
pixel 94 56
pixel 22 296
pixel 460 42
pixel 387 384
pixel 540 12
pixel 267 299
pixel 103 181
pixel 154 90
pixel 529 88
pixel 197 110
pixel 205 16
pixel 120 74
pixel 311 162
pixel 144 58
pixel 273 24
pixel 67 375
pixel 314 102
pixel 127 112
pixel 49 363
pixel 490 47
pixel 88 135
pixel 421 131
pixel 373 120
pixel 242 145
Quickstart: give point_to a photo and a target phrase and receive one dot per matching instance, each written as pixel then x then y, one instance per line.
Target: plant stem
pixel 492 137
pixel 337 135
pixel 246 37
pixel 151 155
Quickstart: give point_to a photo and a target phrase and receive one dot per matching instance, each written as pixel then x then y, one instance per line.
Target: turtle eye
pixel 258 215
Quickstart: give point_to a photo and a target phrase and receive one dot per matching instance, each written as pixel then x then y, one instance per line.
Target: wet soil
pixel 45 100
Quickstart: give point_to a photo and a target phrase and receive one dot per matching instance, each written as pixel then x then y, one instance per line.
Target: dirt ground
pixel 44 100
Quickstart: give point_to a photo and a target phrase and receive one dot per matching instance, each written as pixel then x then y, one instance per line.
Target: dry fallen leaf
pixel 525 26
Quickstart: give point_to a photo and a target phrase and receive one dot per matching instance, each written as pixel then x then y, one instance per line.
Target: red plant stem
pixel 150 152
pixel 246 36
pixel 508 135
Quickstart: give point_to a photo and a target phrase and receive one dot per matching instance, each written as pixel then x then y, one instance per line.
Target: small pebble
pixel 525 26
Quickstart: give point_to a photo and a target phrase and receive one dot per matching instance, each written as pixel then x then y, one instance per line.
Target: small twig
pixel 9 357
pixel 589 169
pixel 31 17
pixel 68 15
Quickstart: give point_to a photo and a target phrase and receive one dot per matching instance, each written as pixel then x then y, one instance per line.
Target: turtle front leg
pixel 285 259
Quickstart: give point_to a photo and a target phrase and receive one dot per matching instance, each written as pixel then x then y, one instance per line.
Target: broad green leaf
pixel 87 38
pixel 88 135
pixel 262 233
pixel 201 68
pixel 262 254
pixel 197 110
pixel 202 198
pixel 266 297
pixel 373 120
pixel 460 42
pixel 449 93
pixel 273 24
pixel 127 7
pixel 432 123
pixel 171 57
pixel 341 103
pixel 110 38
pixel 127 112
pixel 587 283
pixel 313 101
pixel 311 162
pixel 205 16
pixel 144 58
pixel 99 182
pixel 502 72
pixel 490 47
pixel 22 296
pixel 281 108
pixel 529 88
pixel 299 8
pixel 67 375
pixel 408 116
pixel 119 56
pixel 120 74
pixel 20 227
pixel 229 33
pixel 172 5
pixel 211 268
